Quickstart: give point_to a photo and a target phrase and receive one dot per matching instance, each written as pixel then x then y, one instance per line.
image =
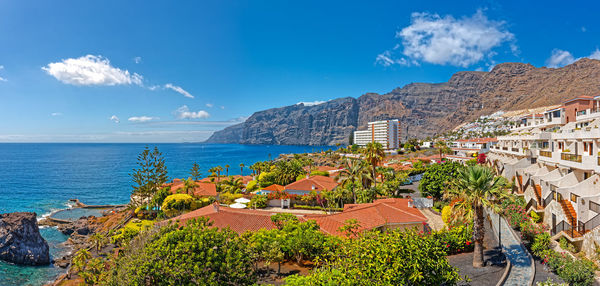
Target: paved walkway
pixel 521 272
pixel 434 220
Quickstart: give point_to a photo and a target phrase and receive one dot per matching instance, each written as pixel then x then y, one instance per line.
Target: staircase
pixel 571 217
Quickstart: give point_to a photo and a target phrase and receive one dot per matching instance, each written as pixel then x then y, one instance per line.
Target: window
pixel 594 207
pixel 574 197
pixel 586 175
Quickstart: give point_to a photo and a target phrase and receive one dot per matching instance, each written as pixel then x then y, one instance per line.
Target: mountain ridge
pixel 424 109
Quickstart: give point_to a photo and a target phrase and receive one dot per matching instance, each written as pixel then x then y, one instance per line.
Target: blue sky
pixel 175 71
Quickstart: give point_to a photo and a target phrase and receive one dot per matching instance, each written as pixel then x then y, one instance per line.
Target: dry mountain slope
pixel 424 109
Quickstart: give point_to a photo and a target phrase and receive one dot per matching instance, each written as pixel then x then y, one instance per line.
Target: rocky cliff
pixel 20 240
pixel 423 108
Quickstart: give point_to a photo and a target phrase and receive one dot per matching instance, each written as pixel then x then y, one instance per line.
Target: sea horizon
pixel 43 177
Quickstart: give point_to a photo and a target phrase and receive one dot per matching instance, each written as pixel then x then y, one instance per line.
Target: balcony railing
pixel 516 150
pixel 549 154
pixel 505 148
pixel 570 157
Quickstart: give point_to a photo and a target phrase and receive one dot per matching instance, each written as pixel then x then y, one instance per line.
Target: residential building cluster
pixel 554 161
pixel 385 132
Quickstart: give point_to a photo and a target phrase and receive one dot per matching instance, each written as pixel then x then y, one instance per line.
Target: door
pixel 553 223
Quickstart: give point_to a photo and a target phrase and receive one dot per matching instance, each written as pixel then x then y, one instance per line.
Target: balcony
pixel 549 154
pixel 570 157
pixel 516 150
pixel 598 161
pixel 505 148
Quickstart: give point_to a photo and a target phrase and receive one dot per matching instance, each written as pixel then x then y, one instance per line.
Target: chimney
pixel 313 187
pixel 410 203
pixel 216 206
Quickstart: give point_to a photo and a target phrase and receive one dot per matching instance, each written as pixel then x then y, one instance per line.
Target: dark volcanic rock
pixel 424 109
pixel 80 226
pixel 20 240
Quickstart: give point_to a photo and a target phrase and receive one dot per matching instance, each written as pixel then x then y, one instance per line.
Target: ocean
pixel 42 178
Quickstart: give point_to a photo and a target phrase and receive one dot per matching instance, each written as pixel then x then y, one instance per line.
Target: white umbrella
pixel 237 206
pixel 242 200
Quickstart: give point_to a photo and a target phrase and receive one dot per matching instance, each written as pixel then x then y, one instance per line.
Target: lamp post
pixel 499 232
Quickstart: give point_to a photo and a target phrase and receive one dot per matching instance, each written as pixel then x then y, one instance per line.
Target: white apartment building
pixel 554 161
pixel 386 132
pixel 467 149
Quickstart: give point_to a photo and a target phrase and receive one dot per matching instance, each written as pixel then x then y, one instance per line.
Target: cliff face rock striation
pixel 20 240
pixel 423 108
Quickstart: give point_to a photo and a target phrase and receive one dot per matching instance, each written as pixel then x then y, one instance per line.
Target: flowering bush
pixel 455 239
pixel 529 229
pixel 573 271
pixel 516 215
pixel 540 244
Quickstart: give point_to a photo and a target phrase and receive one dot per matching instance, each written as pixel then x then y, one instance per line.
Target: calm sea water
pixel 43 177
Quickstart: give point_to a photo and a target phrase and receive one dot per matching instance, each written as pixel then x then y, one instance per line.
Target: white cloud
pixel 560 58
pixel 583 29
pixel 1 78
pixel 312 103
pixel 91 70
pixel 447 41
pixel 184 112
pixel 141 118
pixel 178 90
pixel 222 107
pixel 56 114
pixel 154 87
pixel 209 105
pixel 115 119
pixel 137 60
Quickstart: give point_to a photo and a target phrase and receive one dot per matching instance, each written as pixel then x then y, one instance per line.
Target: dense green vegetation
pixel 437 178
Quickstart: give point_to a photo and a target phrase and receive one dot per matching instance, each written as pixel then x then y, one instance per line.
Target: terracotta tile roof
pixel 274 188
pixel 584 97
pixel 400 167
pixel 379 213
pixel 238 220
pixel 320 183
pixel 201 189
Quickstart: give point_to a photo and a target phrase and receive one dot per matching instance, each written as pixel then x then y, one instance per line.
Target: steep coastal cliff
pixel 423 108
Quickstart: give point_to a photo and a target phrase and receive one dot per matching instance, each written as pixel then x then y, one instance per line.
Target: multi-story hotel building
pixel 554 160
pixel 386 132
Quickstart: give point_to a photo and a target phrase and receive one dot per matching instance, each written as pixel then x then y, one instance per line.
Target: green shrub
pixel 305 207
pixel 540 244
pixel 258 201
pixel 535 217
pixel 228 198
pixel 388 258
pixel 455 239
pixel 200 203
pixel 177 202
pixel 446 213
pixel 529 229
pixel 566 245
pixel 252 186
pixel 578 272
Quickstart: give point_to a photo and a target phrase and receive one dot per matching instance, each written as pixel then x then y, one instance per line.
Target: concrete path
pixel 434 220
pixel 522 271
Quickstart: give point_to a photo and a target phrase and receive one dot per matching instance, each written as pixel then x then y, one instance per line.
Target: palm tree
pixel 98 241
pixel 374 154
pixel 442 147
pixel 188 185
pixel 353 172
pixel 475 188
pixel 218 169
pixel 241 169
pixel 233 185
pixel 227 170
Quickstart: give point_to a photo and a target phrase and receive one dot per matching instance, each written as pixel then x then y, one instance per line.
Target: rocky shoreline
pixel 80 231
